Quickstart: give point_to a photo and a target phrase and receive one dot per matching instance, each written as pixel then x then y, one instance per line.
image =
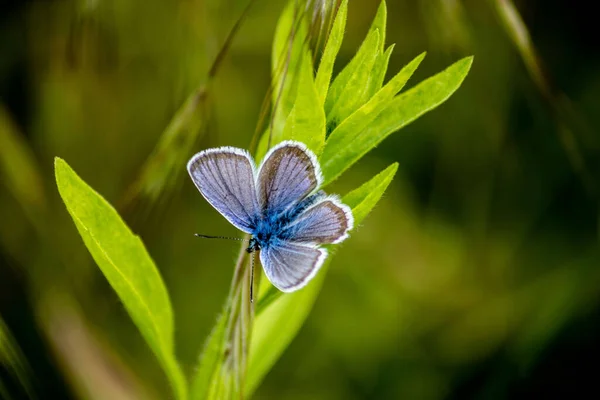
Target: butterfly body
pixel 279 204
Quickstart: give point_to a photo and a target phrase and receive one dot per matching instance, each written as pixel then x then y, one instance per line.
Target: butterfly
pixel 279 204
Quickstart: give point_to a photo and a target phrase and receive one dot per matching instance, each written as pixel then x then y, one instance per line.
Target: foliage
pixel 127 266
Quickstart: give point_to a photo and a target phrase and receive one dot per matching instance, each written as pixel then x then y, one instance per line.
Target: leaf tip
pixel 59 166
pixel 373 36
pixel 468 61
pixel 418 59
pixel 382 9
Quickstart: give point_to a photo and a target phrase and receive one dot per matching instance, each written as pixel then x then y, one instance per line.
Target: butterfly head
pixel 253 245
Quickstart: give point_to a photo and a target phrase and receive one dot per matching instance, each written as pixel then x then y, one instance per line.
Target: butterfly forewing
pixel 225 177
pixel 289 266
pixel 287 175
pixel 328 221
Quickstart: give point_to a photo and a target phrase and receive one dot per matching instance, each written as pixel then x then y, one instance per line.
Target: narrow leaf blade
pixel 348 90
pixel 286 58
pixel 306 122
pixel 363 199
pixel 379 23
pixel 124 261
pixel 379 71
pixel 362 76
pixel 331 50
pixel 339 154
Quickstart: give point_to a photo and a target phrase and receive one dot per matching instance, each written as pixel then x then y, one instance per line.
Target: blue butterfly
pixel 279 204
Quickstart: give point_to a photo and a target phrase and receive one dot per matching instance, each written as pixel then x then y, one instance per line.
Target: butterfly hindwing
pixel 225 177
pixel 328 221
pixel 289 266
pixel 288 174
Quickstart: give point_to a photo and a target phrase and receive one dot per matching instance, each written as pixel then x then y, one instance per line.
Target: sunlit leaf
pixel 353 126
pixel 124 261
pixel 306 122
pixel 348 90
pixel 363 199
pixel 331 50
pixel 339 153
pixel 288 48
pixel 379 71
pixel 379 24
pixel 277 323
pixel 356 83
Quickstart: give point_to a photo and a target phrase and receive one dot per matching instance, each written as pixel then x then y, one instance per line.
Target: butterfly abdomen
pixel 267 230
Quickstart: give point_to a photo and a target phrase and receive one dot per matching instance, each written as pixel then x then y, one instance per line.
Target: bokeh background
pixel 475 277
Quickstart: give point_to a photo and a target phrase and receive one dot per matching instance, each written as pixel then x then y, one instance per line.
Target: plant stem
pixel 240 314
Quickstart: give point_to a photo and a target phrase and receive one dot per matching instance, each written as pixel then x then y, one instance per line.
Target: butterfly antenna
pixel 219 237
pixel 252 278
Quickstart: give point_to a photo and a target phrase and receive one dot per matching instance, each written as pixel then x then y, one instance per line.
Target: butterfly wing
pixel 290 266
pixel 225 177
pixel 288 174
pixel 326 221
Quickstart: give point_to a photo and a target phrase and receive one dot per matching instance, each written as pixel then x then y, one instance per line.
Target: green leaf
pixel 332 48
pixel 276 326
pixel 379 23
pixel 379 71
pixel 288 50
pixel 363 199
pixel 349 88
pixel 362 76
pixel 383 57
pixel 277 323
pixel 306 122
pixel 211 357
pixel 353 126
pixel 340 153
pixel 127 266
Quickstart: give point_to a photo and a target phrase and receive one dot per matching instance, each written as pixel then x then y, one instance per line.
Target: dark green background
pixel 475 277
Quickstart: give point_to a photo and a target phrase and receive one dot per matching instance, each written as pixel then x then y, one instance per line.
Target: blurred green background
pixel 476 276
